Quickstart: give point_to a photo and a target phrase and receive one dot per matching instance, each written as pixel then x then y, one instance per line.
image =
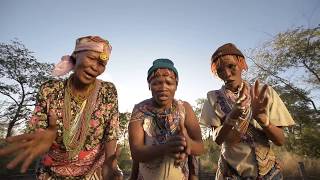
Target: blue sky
pixel 186 31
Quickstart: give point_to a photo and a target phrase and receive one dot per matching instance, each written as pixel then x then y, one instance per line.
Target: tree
pixel 20 77
pixel 205 131
pixel 290 62
pixel 124 122
pixel 292 59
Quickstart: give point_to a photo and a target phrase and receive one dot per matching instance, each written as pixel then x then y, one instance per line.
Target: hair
pixel 241 63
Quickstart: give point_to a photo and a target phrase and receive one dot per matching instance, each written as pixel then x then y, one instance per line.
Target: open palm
pixel 259 101
pixel 27 147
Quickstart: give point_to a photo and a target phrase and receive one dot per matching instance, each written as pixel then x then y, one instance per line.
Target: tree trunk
pixel 10 127
pixel 14 120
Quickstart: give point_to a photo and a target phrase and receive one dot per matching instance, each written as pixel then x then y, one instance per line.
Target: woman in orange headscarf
pixel 244 119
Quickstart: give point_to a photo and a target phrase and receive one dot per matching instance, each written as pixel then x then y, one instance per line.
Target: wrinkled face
pixel 230 72
pixel 88 66
pixel 163 89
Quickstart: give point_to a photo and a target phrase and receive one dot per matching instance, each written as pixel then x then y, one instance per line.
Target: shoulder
pixel 140 108
pixel 51 86
pixel 212 96
pixel 108 88
pixel 185 104
pixel 107 85
pixel 146 102
pixel 213 93
pixel 53 83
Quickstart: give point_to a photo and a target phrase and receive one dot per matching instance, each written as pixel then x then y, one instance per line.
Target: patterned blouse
pixel 158 126
pixel 103 127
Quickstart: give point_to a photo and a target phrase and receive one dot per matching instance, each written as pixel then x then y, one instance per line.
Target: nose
pixel 226 73
pixel 163 86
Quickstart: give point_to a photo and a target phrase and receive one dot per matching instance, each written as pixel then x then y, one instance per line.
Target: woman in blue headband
pixel 163 131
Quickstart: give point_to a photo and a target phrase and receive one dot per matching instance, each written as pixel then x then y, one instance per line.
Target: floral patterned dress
pixel 102 126
pixel 158 126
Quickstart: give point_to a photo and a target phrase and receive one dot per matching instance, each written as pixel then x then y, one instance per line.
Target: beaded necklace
pixel 75 128
pixel 166 122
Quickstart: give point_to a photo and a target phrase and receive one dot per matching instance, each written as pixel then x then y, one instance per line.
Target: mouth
pixel 228 82
pixel 89 75
pixel 163 96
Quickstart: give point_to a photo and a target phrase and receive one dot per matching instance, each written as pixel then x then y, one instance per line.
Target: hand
pixel 112 173
pixel 184 133
pixel 175 145
pixel 30 146
pixel 259 104
pixel 242 104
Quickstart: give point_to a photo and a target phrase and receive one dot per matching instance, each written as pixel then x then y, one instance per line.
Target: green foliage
pixel 124 160
pixel 20 77
pixel 124 121
pixel 211 156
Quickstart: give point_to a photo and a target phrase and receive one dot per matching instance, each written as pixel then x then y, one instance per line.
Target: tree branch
pixel 7 94
pixel 287 83
pixel 306 53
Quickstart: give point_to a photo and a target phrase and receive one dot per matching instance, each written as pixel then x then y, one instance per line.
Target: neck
pixel 78 87
pixel 236 89
pixel 162 106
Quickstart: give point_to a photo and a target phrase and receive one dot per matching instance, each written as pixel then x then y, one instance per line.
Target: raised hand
pixel 259 103
pixel 27 147
pixel 242 104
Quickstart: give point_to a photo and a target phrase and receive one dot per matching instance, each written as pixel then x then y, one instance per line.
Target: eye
pixel 219 71
pixel 232 66
pixel 170 82
pixel 102 63
pixel 92 57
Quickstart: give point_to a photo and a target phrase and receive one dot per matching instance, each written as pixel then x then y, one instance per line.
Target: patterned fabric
pixel 256 139
pixel 96 175
pixel 91 43
pixel 225 171
pixel 252 156
pixel 158 126
pixel 103 127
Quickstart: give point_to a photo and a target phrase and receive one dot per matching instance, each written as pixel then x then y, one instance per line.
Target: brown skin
pixel 87 67
pixel 30 146
pixel 230 72
pixel 163 89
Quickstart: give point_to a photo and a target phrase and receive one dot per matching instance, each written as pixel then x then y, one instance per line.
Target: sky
pixel 185 31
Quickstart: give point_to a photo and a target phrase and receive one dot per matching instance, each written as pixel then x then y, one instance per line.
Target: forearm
pixel 145 153
pixel 275 134
pixel 197 147
pixel 110 149
pixel 226 134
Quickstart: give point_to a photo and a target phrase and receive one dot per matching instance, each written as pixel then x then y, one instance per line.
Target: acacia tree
pixel 290 62
pixel 292 59
pixel 20 77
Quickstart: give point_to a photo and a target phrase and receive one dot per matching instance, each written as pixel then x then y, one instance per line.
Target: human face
pixel 88 66
pixel 230 72
pixel 163 89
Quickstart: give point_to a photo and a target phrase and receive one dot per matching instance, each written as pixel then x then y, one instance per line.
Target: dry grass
pixel 289 163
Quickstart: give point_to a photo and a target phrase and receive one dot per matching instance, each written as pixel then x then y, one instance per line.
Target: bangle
pixel 231 121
